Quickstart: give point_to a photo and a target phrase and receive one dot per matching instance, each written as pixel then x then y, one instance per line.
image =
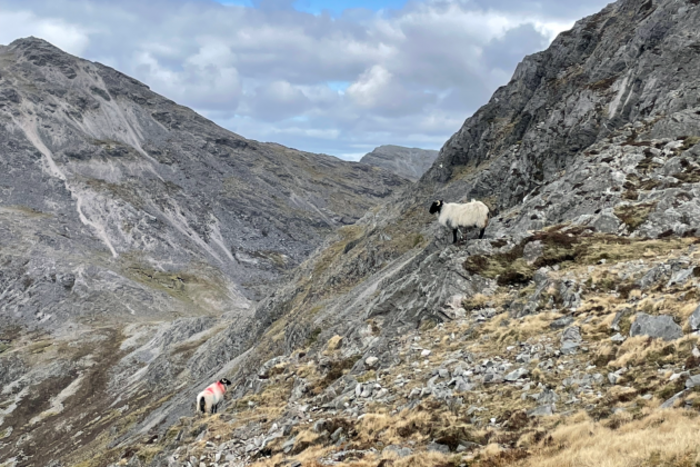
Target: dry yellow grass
pixel 666 437
pixel 638 435
pixel 643 350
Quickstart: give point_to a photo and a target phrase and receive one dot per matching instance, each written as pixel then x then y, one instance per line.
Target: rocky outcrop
pixel 410 163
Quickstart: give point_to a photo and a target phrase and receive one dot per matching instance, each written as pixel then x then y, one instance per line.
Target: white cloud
pixel 368 90
pixel 70 37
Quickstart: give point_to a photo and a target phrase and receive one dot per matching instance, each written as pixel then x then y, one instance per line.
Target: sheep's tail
pixel 202 404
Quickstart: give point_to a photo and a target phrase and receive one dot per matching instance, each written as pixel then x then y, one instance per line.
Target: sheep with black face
pixel 209 399
pixel 457 215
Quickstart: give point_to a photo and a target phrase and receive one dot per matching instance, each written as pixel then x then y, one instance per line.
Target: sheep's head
pixel 436 206
pixel 225 381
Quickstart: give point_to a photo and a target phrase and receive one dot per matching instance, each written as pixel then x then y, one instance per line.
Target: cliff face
pixel 589 161
pixel 634 62
pixel 131 229
pixel 410 163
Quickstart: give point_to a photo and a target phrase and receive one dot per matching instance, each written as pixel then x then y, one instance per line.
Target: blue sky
pixel 395 72
pixel 335 7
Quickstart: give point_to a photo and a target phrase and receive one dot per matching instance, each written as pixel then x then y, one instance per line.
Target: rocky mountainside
pixel 561 337
pixel 131 230
pixel 410 163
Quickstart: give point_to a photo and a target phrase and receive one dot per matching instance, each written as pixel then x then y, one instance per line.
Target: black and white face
pixel 225 381
pixel 436 206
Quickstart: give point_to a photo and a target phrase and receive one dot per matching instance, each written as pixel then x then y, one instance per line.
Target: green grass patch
pixel 634 215
pixel 577 245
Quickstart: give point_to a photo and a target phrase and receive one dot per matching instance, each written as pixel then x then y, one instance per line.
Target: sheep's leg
pixel 481 233
pixel 454 235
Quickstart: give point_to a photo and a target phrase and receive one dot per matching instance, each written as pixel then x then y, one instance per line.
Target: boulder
pixel 662 327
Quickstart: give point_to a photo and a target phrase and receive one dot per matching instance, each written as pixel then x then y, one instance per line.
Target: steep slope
pixel 410 163
pixel 585 286
pixel 131 229
pixel 569 139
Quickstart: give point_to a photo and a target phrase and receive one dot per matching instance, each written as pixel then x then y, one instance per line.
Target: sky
pixel 337 77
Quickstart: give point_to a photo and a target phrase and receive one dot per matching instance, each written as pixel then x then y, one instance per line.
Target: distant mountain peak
pixel 410 163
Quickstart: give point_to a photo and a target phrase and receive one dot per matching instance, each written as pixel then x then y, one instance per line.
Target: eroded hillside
pixel 132 230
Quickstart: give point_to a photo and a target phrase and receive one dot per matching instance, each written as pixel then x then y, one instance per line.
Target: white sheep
pixel 209 399
pixel 457 215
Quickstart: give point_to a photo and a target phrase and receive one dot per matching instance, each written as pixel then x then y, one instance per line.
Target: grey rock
pixel 288 445
pixel 655 326
pixel 680 277
pixel 516 374
pixel 561 323
pixel 547 396
pixel 335 436
pixel 438 448
pixel 692 382
pixel 398 450
pixel 571 340
pixel 532 251
pixel 613 378
pixel 671 402
pixel 618 338
pixel 542 411
pixel 372 362
pixel 570 294
pixel 653 276
pixel 694 320
pixel 320 425
pixel 606 222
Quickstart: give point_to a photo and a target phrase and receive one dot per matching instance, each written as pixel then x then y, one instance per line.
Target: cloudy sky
pixel 339 77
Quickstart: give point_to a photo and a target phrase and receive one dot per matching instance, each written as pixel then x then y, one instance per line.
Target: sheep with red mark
pixel 209 399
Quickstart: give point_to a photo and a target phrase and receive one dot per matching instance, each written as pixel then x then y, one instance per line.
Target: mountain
pixel 410 163
pixel 557 339
pixel 132 229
